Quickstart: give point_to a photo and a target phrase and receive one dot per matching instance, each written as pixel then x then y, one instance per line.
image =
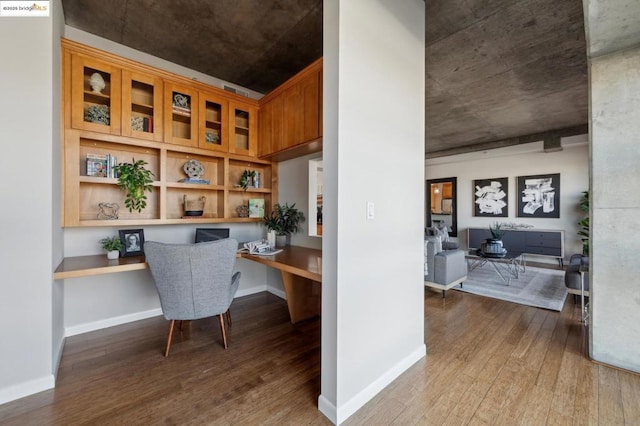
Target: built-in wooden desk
pixel 85 266
pixel 301 270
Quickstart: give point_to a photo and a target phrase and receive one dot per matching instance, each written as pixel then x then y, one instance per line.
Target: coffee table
pixel 507 266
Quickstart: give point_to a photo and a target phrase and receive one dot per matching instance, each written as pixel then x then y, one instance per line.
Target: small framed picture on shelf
pixel 132 242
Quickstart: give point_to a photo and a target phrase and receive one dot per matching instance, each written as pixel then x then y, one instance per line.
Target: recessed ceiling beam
pixel 551 140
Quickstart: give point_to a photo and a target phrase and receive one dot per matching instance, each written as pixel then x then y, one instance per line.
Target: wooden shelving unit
pixel 135 92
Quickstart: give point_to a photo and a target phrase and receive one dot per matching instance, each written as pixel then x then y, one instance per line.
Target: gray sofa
pixel 443 269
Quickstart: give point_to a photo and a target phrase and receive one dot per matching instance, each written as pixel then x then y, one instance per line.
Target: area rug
pixel 539 287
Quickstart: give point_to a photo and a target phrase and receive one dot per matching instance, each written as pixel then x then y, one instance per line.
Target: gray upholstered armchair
pixel 194 280
pixel 573 279
pixel 443 269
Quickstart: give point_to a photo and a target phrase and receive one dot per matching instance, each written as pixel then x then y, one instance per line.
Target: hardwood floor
pixel 488 362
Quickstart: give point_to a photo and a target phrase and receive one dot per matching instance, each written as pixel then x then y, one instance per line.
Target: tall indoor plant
pixel 584 223
pixel 135 179
pixel 284 220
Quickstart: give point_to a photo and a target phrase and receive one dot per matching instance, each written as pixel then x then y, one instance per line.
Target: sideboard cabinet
pixel 125 111
pixel 529 241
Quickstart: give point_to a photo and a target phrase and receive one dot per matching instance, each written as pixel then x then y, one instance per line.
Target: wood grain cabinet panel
pixel 213 122
pixel 141 105
pixel 95 95
pixel 180 114
pixel 293 113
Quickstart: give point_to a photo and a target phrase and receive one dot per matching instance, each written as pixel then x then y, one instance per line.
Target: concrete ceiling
pixel 498 72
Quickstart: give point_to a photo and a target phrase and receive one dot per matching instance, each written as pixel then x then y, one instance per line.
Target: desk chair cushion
pixel 194 280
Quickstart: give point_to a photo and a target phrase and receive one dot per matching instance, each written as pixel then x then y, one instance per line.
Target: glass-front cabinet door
pixel 243 136
pixel 180 115
pixel 95 95
pixel 214 132
pixel 141 105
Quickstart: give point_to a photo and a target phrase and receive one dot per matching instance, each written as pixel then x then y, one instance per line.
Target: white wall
pixel 572 163
pixel 373 152
pixel 26 171
pixel 57 321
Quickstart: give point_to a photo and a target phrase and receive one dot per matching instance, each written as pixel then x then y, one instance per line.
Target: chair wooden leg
pixel 166 352
pixel 229 317
pixel 222 330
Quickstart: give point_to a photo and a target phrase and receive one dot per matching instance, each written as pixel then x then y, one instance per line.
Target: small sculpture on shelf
pixel 194 170
pixel 211 137
pixel 96 82
pixel 108 211
pixel 243 210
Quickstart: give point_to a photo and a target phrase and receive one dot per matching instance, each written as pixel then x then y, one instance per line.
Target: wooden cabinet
pixel 293 115
pixel 214 129
pixel 271 127
pixel 243 138
pixel 181 121
pixel 141 105
pixel 181 114
pixel 95 95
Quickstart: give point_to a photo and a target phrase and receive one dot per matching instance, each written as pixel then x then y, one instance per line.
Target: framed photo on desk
pixel 132 242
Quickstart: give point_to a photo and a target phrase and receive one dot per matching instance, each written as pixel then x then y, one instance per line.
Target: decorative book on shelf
pixel 256 207
pixel 97 165
pixel 102 165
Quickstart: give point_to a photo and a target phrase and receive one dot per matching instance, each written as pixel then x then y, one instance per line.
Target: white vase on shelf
pixel 113 254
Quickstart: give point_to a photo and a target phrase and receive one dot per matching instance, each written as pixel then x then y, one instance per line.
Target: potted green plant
pixel 493 247
pixel 135 179
pixel 496 231
pixel 284 220
pixel 584 223
pixel 112 245
pixel 246 178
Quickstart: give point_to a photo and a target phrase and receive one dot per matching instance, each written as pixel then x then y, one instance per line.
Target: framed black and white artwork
pixel 490 197
pixel 132 242
pixel 539 196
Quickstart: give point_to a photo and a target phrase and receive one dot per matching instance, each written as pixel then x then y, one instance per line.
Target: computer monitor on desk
pixel 211 234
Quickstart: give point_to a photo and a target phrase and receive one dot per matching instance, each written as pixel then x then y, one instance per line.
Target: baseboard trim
pixel 327 408
pixel 281 294
pixel 124 319
pixel 343 412
pixel 110 322
pixel 249 291
pixel 58 358
pixel 11 393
